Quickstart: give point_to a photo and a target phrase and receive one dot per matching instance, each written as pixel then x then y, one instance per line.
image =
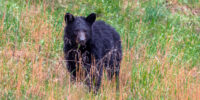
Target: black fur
pixel 97 43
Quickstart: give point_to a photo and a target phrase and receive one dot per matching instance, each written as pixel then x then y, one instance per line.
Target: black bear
pixel 94 44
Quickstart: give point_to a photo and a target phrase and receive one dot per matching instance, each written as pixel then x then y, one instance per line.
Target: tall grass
pixel 161 49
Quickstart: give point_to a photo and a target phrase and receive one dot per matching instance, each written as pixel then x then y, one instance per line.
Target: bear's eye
pixel 75 31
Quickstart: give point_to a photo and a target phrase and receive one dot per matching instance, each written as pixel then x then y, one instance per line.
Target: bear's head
pixel 78 28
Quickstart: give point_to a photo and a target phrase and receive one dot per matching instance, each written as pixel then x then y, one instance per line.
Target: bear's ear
pixel 69 18
pixel 91 18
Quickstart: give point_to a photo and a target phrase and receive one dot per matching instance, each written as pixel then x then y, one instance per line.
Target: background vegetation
pixel 161 49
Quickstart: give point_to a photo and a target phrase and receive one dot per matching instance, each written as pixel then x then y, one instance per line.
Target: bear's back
pixel 105 37
pixel 100 29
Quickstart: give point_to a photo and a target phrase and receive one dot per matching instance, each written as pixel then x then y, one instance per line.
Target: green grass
pixel 161 49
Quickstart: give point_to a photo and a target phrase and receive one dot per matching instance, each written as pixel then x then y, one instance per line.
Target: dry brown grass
pixel 31 72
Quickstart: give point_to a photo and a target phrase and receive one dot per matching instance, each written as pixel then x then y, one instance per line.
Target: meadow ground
pixel 160 38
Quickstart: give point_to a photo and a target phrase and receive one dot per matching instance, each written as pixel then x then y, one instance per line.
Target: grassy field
pixel 161 49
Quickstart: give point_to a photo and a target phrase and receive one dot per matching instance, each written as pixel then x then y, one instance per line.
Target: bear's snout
pixel 81 38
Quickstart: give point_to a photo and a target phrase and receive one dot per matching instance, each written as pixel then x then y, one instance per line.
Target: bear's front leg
pixel 71 67
pixel 96 77
pixel 71 59
pixel 93 79
pixel 95 71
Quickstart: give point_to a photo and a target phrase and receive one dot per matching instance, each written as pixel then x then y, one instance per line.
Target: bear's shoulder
pixel 101 29
pixel 100 23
